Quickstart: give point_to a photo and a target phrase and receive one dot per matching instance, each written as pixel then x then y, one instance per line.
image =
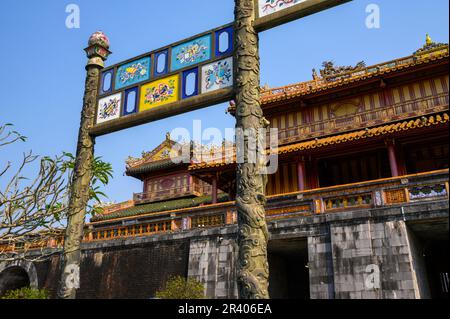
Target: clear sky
pixel 42 61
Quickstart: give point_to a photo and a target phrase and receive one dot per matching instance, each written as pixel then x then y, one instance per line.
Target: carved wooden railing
pixel 421 187
pixel 143 229
pixel 56 242
pixel 168 193
pixel 361 120
pixel 381 193
pixel 196 188
pixel 391 113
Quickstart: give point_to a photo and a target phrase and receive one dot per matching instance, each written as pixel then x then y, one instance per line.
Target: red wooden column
pixel 301 174
pixel 313 173
pixel 214 189
pixel 399 152
pixel 392 157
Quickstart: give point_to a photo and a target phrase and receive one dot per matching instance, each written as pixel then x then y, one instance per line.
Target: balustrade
pixel 196 188
pixel 377 193
pixel 395 112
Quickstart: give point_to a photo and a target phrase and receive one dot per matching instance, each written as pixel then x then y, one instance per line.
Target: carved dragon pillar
pixel 97 53
pixel 252 265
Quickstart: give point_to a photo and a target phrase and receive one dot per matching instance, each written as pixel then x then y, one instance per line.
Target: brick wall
pixel 131 271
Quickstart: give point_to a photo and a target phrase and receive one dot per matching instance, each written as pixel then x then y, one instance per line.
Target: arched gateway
pixel 16 275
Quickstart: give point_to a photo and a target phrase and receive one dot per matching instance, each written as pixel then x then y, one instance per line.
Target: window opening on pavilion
pixel 354 168
pixel 425 157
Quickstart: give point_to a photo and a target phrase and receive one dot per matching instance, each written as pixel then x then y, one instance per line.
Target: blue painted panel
pixel 107 82
pixel 229 31
pixel 187 74
pixel 131 101
pixel 191 53
pixel 164 67
pixel 132 73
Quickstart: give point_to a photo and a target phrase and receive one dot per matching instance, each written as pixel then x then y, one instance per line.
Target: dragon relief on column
pixel 253 269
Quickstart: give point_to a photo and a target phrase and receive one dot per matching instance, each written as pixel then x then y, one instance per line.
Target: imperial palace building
pixel 358 207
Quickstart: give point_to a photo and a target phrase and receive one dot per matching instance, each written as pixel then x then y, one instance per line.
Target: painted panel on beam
pixel 109 108
pixel 217 75
pixel 159 93
pixel 191 53
pixel 267 7
pixel 132 73
pixel 170 75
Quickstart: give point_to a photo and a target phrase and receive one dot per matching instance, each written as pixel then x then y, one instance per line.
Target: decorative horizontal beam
pixel 164 111
pixel 297 11
pixel 155 85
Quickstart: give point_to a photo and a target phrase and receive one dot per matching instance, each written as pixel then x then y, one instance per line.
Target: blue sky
pixel 42 62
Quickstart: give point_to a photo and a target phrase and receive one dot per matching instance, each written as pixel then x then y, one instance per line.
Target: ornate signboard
pixel 181 77
pixel 187 75
pixel 272 13
pixel 267 7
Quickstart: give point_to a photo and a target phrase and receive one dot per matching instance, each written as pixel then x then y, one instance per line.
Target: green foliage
pixel 101 173
pixel 26 293
pixel 178 287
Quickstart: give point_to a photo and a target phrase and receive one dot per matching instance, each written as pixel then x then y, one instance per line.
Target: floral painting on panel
pixel 217 75
pixel 109 108
pixel 190 53
pixel 267 7
pixel 159 92
pixel 132 73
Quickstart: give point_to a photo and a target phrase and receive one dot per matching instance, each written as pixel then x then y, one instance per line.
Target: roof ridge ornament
pixel 428 40
pixel 330 70
pixel 429 45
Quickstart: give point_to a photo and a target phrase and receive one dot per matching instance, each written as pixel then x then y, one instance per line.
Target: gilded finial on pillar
pixel 98 49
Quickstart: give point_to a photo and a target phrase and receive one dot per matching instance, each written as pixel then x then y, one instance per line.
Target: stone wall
pixel 418 266
pixel 212 262
pixel 366 252
pixel 347 253
pixel 320 262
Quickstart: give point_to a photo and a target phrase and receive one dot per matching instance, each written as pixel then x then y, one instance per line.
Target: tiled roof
pixel 342 138
pixel 198 166
pixel 151 167
pixel 303 88
pixel 159 207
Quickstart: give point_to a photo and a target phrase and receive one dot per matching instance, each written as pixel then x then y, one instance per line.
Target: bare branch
pixel 33 211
